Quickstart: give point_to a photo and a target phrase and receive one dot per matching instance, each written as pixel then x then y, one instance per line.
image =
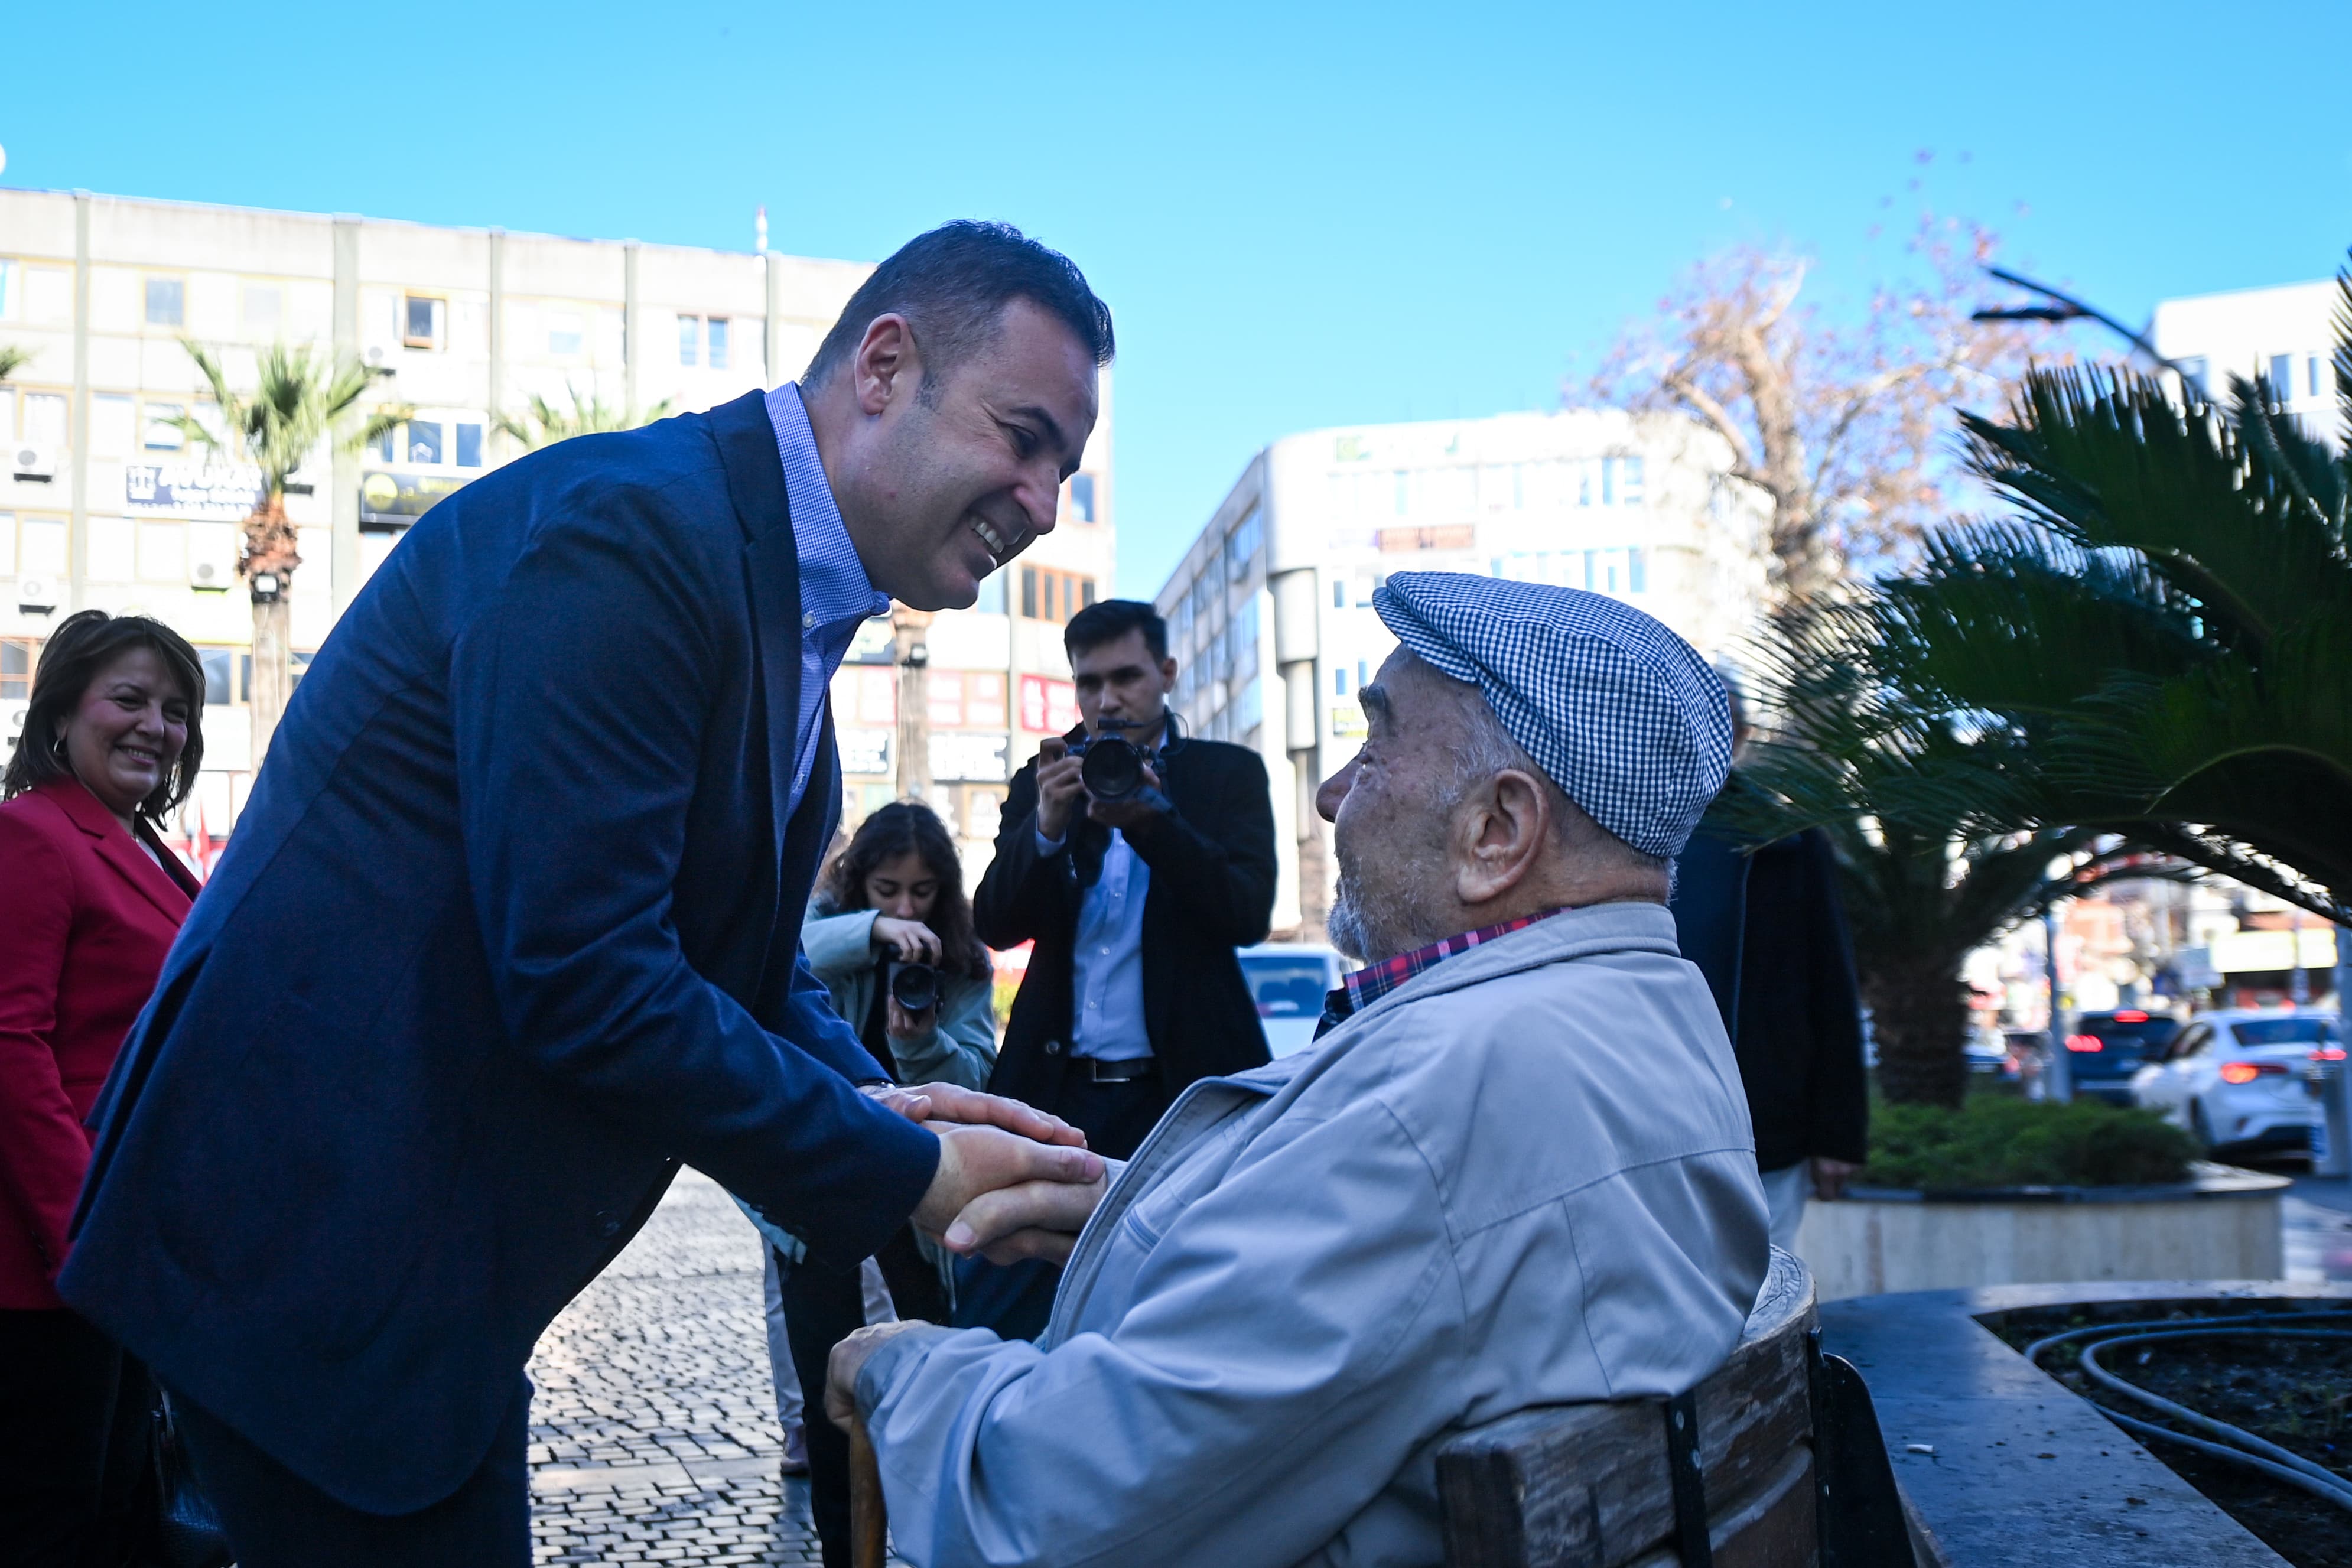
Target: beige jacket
pixel 1523 1177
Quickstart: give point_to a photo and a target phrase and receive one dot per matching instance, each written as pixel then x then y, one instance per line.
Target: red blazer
pixel 84 920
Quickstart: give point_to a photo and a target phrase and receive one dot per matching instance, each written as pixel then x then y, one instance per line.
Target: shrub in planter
pixel 1996 1143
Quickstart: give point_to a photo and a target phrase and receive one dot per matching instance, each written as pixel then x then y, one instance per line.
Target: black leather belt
pixel 1116 1072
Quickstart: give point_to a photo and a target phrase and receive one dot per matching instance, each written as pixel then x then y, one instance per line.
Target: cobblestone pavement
pixel 654 1434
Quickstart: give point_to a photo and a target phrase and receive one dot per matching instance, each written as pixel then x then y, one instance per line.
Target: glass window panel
pixel 265 308
pixel 162 431
pixel 220 664
pixel 718 343
pixel 421 319
pixel 1082 497
pixel 1029 593
pixel 44 418
pixel 424 441
pixel 1637 570
pixel 385 444
pixel 689 340
pixel 1629 478
pixel 1609 482
pixel 1339 593
pixel 167 302
pixel 991 595
pixel 565 333
pixel 41 546
pixel 469 446
pixel 113 418
pixel 15 667
pixel 9 289
pixel 2310 368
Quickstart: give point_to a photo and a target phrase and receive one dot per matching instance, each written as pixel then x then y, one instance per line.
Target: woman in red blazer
pixel 89 901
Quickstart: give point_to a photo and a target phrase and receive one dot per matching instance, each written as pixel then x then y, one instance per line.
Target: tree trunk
pixel 1919 1015
pixel 273 673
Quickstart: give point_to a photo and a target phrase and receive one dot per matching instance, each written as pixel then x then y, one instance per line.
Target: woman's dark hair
pixel 902 825
pixel 74 656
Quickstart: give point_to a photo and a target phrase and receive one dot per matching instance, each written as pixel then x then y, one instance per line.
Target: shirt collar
pixel 1368 985
pixel 834 584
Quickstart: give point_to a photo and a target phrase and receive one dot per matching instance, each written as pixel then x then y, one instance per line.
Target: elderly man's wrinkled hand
pixel 848 1358
pixel 974 1160
pixel 1034 1219
pixel 947 1103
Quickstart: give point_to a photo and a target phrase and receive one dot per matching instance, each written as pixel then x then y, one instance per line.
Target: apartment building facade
pixel 1270 613
pixel 105 503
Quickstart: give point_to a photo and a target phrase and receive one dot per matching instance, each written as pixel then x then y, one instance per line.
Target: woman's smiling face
pixel 127 732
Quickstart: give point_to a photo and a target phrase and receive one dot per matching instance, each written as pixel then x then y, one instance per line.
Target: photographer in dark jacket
pixel 1163 886
pixel 1136 905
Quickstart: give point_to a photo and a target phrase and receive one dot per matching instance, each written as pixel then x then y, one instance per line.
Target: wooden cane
pixel 869 1517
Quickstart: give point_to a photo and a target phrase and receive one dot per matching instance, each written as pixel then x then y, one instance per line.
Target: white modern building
pixel 1270 613
pixel 104 503
pixel 2287 334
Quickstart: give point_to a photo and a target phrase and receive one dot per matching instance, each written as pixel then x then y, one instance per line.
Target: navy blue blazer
pixel 509 930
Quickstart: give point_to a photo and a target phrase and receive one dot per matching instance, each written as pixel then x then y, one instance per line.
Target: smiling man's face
pixel 945 480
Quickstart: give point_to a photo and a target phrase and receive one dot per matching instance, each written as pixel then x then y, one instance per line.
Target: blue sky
pixel 1303 215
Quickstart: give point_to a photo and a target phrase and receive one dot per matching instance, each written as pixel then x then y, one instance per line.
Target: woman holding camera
pixel 89 902
pixel 890 932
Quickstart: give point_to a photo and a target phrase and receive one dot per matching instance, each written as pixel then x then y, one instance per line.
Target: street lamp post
pixel 911 652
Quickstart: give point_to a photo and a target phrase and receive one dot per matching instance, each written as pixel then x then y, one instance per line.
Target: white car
pixel 2243 1078
pixel 1288 980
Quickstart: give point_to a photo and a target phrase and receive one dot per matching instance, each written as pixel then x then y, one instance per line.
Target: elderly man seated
pixel 1515 1168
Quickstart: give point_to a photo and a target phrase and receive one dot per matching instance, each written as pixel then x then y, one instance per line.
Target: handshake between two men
pixel 1012 1182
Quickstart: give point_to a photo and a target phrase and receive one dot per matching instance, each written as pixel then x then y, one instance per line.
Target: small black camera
pixel 915 987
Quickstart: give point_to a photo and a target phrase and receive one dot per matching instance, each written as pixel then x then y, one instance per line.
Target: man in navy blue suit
pixel 510 928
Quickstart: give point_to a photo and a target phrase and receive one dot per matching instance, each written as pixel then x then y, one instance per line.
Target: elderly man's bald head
pixel 1443 823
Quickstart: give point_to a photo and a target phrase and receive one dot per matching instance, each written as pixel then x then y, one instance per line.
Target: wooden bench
pixel 1773 1461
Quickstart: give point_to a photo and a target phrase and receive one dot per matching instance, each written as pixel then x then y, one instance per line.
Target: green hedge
pixel 1994 1142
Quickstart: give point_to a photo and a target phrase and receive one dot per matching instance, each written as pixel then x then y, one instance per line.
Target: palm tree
pixel 544 424
pixel 1931 866
pixel 300 401
pixel 11 359
pixel 2170 614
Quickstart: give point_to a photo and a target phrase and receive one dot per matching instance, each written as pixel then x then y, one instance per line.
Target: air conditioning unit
pixel 37 595
pixel 27 462
pixel 212 556
pixel 12 719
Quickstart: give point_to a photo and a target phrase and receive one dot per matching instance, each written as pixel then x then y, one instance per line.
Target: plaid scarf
pixel 1368 985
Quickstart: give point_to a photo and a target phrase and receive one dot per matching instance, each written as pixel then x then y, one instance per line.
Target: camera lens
pixel 1112 769
pixel 915 987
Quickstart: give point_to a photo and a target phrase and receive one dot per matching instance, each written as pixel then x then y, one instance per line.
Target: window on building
pixel 991 595
pixel 167 302
pixel 689 340
pixel 2311 371
pixel 44 418
pixel 469 446
pixel 565 333
pixel 265 308
pixel 1242 545
pixel 1629 480
pixel 423 321
pixel 10 304
pixel 162 431
pixel 16 667
pixel 386 446
pixel 1082 498
pixel 424 443
pixel 220 674
pixel 717 355
pixel 1339 593
pixel 1609 471
pixel 2282 377
pixel 1339 680
pixel 1637 570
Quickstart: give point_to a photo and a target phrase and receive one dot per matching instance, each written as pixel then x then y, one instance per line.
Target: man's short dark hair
pixel 952 284
pixel 1107 620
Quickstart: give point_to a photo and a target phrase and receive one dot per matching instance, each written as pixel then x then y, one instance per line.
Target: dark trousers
pixel 73 1442
pixel 277 1520
pixel 824 1307
pixel 1017 1300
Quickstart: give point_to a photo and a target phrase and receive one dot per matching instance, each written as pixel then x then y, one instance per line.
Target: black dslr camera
pixel 915 987
pixel 1111 766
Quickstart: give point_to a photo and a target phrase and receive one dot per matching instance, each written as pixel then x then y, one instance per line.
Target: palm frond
pixel 13 359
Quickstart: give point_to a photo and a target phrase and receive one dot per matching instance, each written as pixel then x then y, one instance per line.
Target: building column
pixel 78 547
pixel 909 632
pixel 631 328
pixel 494 403
pixel 344 469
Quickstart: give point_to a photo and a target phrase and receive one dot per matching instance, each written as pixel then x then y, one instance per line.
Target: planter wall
pixel 2223 1224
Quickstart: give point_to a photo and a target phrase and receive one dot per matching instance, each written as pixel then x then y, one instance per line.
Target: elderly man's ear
pixel 1503 837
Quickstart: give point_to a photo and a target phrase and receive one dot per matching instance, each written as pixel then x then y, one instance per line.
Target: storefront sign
pixel 1048 707
pixel 401 499
pixel 209 492
pixel 961 757
pixel 864 751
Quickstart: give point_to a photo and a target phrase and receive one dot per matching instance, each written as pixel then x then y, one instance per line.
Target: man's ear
pixel 1501 835
pixel 1168 672
pixel 886 364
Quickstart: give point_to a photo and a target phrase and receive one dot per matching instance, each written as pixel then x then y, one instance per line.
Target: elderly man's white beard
pixel 1375 923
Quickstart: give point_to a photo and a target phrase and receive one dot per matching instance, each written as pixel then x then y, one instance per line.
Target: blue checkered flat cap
pixel 1625 715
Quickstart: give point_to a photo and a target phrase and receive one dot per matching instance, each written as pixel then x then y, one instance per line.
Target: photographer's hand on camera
pixel 1135 810
pixel 911 941
pixel 905 1026
pixel 1061 786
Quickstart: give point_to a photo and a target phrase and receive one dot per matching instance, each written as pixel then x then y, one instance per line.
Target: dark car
pixel 2107 1048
